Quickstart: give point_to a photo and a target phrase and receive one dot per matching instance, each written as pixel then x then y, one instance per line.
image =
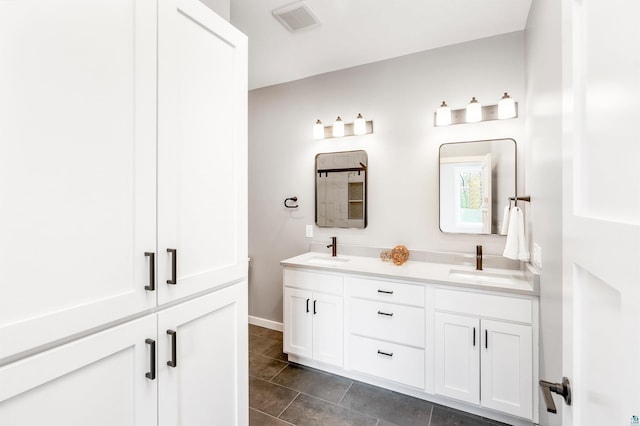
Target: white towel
pixel 517 246
pixel 505 221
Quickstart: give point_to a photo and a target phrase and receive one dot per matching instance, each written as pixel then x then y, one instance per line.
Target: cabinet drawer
pixel 484 305
pixel 387 291
pixel 325 283
pixel 386 321
pixel 388 361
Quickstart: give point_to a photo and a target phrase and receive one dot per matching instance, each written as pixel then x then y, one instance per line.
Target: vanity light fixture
pixel 338 128
pixel 360 126
pixel 506 107
pixel 318 130
pixel 475 112
pixel 443 115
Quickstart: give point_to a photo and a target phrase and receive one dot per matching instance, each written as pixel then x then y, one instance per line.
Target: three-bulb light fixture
pixel 339 129
pixel 476 112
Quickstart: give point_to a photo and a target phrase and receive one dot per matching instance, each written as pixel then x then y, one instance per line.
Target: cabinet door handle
pixel 389 354
pixel 174 266
pixel 173 362
pixel 474 336
pixel 385 291
pixel 152 271
pixel 314 307
pixel 486 339
pixel 151 375
pixel 307 305
pixel 387 314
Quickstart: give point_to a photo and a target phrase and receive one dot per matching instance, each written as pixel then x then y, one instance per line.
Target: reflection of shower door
pixel 472 194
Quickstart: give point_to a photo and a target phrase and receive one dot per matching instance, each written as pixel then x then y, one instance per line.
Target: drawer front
pixel 387 291
pixel 484 305
pixel 325 283
pixel 388 361
pixel 386 321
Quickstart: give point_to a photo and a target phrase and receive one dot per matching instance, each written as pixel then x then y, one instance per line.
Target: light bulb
pixel 443 115
pixel 338 128
pixel 506 107
pixel 318 130
pixel 474 111
pixel 359 125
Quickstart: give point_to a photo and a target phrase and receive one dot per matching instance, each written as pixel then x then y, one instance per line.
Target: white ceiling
pixel 356 32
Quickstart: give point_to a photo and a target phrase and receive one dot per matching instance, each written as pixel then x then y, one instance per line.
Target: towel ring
pixel 289 206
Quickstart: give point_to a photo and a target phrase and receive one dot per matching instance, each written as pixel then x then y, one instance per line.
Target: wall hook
pixel 289 206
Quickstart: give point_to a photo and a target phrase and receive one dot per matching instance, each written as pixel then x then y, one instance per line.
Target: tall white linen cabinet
pixel 123 214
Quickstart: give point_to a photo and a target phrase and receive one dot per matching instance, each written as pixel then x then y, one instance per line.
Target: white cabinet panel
pixel 386 321
pixel 298 322
pixel 506 368
pixel 98 380
pixel 328 331
pixel 202 178
pixel 457 361
pixel 208 384
pixel 387 291
pixel 77 165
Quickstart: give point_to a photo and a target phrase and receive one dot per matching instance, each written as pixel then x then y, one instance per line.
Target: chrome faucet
pixel 333 246
pixel 478 258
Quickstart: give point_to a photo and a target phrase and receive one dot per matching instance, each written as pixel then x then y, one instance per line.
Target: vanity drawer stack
pixel 386 331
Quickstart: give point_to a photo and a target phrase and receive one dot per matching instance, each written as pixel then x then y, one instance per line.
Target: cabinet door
pixel 202 150
pixel 97 380
pixel 77 165
pixel 328 329
pixel 205 340
pixel 507 363
pixel 298 322
pixel 457 362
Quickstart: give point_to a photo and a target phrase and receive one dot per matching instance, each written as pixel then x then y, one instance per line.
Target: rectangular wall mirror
pixel 341 189
pixel 476 180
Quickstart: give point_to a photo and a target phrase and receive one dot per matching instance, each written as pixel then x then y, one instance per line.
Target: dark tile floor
pixel 283 393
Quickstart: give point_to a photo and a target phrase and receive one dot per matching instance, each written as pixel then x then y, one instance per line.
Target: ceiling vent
pixel 296 16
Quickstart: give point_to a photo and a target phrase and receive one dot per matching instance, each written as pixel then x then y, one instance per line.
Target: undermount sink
pixel 488 277
pixel 335 261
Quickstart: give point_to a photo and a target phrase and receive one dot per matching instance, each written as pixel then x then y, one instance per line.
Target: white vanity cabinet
pixel 313 316
pixel 484 350
pixel 386 333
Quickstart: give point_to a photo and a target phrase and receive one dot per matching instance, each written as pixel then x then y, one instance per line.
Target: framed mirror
pixel 477 178
pixel 341 189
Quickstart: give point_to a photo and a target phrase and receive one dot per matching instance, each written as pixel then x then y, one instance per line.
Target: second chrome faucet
pixel 333 246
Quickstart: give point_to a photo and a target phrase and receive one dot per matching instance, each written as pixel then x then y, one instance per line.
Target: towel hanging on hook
pixel 287 205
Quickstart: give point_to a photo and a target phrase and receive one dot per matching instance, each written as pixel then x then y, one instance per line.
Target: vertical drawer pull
pixel 314 307
pixel 389 354
pixel 152 272
pixel 174 266
pixel 385 291
pixel 474 336
pixel 486 339
pixel 151 375
pixel 173 362
pixel 387 314
pixel 307 305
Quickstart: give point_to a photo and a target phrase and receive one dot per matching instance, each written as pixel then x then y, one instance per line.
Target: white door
pixel 298 322
pixel 506 367
pixel 328 329
pixel 104 379
pixel 457 357
pixel 601 240
pixel 202 150
pixel 205 340
pixel 77 165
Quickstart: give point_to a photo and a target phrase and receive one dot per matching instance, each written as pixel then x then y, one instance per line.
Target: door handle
pixel 151 375
pixel 174 266
pixel 563 389
pixel 173 362
pixel 152 271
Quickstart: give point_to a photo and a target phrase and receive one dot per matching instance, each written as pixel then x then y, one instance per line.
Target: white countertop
pixel 503 280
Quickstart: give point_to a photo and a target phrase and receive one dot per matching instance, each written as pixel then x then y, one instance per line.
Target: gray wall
pixel 544 177
pixel 400 96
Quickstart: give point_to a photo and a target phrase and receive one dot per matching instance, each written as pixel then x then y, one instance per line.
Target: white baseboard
pixel 265 323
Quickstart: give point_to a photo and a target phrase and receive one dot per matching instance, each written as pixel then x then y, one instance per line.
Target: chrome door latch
pixel 563 389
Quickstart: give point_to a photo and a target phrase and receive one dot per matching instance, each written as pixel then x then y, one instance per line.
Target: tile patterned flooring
pixel 283 393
